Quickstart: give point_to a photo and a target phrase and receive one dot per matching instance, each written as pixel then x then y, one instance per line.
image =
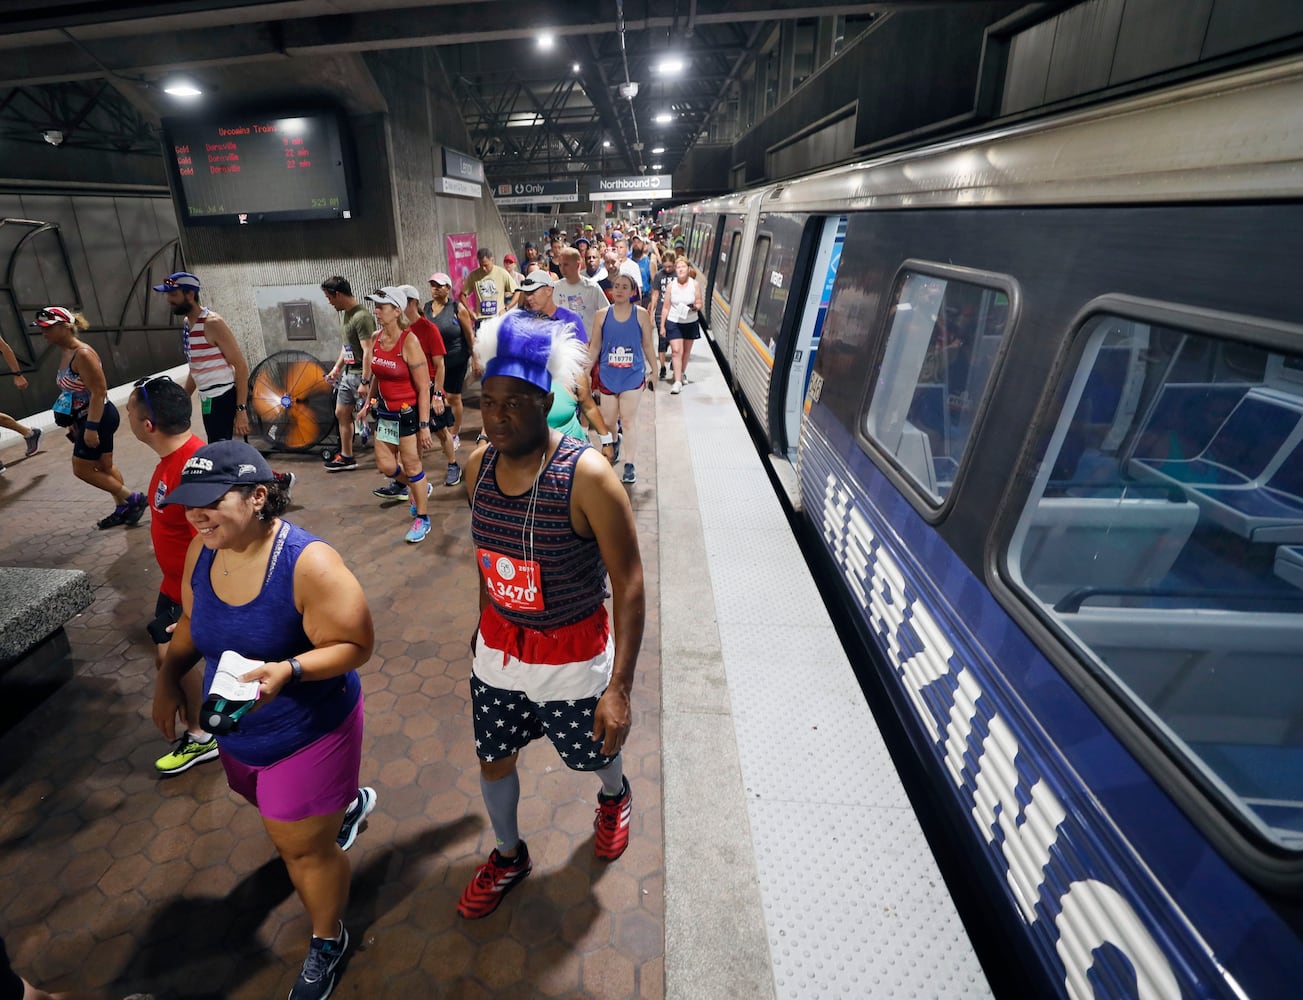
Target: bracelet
pixel 91 425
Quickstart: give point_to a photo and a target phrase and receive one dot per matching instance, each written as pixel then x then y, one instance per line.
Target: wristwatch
pixel 296 670
pixel 423 424
pixel 241 408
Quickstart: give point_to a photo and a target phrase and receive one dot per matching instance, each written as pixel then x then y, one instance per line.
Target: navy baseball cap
pixel 211 471
pixel 179 279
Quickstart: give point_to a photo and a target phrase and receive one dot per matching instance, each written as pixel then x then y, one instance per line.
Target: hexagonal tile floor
pixel 111 878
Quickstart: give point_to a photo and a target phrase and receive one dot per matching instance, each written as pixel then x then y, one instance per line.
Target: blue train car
pixel 1039 398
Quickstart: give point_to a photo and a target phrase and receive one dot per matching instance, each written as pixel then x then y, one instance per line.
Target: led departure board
pixel 246 169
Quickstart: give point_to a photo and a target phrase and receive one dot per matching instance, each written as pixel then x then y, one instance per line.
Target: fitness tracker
pixel 296 670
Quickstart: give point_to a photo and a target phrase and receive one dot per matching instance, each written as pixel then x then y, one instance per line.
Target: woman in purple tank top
pixel 270 607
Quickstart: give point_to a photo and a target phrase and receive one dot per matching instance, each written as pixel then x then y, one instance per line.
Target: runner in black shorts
pixel 458 331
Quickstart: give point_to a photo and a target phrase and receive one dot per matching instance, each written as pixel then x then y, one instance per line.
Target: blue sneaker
pixel 353 817
pixel 419 529
pixel 318 976
pixel 453 477
pixel 630 476
pixel 429 492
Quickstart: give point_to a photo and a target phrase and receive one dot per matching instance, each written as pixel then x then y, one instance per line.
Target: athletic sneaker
pixel 612 824
pixel 357 812
pixel 341 463
pixel 392 490
pixel 629 475
pixel 33 443
pixel 419 529
pixel 119 516
pixel 456 441
pixel 493 880
pixel 661 374
pixel 454 475
pixel 619 440
pixel 186 754
pixel 676 388
pixel 318 976
pixel 429 492
pixel 136 507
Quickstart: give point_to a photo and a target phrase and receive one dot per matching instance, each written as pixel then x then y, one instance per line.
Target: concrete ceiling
pixel 528 111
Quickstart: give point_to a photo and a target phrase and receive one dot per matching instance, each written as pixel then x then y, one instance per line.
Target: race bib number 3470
pixel 513 584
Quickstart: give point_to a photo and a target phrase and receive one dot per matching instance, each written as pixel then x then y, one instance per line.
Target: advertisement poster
pixel 461 258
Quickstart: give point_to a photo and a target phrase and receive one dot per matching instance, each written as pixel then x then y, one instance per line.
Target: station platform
pixel 773 851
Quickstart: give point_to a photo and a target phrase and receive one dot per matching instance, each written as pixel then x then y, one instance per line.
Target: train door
pixel 791 383
pixel 731 251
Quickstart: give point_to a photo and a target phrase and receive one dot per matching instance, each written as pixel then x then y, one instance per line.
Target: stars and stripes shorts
pixel 507 721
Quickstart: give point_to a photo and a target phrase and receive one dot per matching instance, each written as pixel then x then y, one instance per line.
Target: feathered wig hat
pixel 535 350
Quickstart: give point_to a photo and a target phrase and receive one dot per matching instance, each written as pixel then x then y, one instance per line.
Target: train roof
pixel 1234 136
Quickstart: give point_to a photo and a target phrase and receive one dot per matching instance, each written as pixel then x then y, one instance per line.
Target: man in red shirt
pixel 159 413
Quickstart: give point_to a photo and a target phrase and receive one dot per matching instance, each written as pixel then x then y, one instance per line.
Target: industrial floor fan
pixel 292 404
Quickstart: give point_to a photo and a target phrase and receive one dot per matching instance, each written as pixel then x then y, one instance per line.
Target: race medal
pixel 387 431
pixel 513 584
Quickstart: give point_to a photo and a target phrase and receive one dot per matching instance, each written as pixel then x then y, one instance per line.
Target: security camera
pixel 53 136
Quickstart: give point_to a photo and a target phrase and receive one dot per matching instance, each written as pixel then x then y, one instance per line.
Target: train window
pixel 758 280
pixel 730 265
pixel 1164 537
pixel 941 350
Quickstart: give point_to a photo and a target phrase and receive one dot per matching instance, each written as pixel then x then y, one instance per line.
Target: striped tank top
pixel 70 382
pixel 573 576
pixel 212 373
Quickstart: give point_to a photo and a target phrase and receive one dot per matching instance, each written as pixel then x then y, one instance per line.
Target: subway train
pixel 1036 396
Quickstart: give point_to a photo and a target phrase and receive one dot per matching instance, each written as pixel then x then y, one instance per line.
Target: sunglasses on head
pixel 144 392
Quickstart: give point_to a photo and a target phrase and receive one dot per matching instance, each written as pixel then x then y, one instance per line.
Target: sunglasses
pixel 144 392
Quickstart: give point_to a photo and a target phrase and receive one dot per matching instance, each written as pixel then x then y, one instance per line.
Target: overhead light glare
pixel 664 118
pixel 670 65
pixel 606 143
pixel 574 68
pixel 546 40
pixel 658 150
pixel 656 166
pixel 182 88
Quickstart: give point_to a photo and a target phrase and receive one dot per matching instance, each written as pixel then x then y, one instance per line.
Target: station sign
pixel 462 167
pixel 457 188
pixel 641 187
pixel 535 192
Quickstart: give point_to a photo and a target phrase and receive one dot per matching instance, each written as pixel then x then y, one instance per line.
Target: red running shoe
pixel 493 880
pixel 612 824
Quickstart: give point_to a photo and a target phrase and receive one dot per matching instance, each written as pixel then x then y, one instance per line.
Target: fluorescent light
pixel 657 150
pixel 606 143
pixel 546 40
pixel 182 88
pixel 670 65
pixel 575 68
pixel 656 166
pixel 664 118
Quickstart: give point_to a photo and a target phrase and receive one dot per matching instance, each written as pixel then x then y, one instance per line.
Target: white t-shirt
pixel 584 298
pixel 682 298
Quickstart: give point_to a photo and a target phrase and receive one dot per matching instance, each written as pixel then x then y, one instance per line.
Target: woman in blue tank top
pixel 621 347
pixel 273 606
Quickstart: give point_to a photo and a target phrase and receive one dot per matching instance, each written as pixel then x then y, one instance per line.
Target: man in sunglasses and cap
pixel 217 366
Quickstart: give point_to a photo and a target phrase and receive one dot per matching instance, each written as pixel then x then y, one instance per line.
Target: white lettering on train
pixel 1090 913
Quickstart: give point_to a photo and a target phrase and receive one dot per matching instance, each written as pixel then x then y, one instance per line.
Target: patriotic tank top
pixel 70 382
pixel 535 527
pixel 212 373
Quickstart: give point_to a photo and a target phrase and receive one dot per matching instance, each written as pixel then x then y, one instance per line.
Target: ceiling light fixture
pixel 184 89
pixel 664 118
pixel 546 40
pixel 656 166
pixel 657 150
pixel 574 68
pixel 670 65
pixel 606 143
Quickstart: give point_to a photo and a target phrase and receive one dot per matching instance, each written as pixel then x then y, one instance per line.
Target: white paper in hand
pixel 226 682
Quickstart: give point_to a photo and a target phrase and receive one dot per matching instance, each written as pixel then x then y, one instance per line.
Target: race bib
pixel 349 359
pixel 513 584
pixel 620 357
pixel 64 403
pixel 488 307
pixel 387 431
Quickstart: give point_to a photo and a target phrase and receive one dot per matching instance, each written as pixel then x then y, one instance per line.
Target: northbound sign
pixel 650 187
